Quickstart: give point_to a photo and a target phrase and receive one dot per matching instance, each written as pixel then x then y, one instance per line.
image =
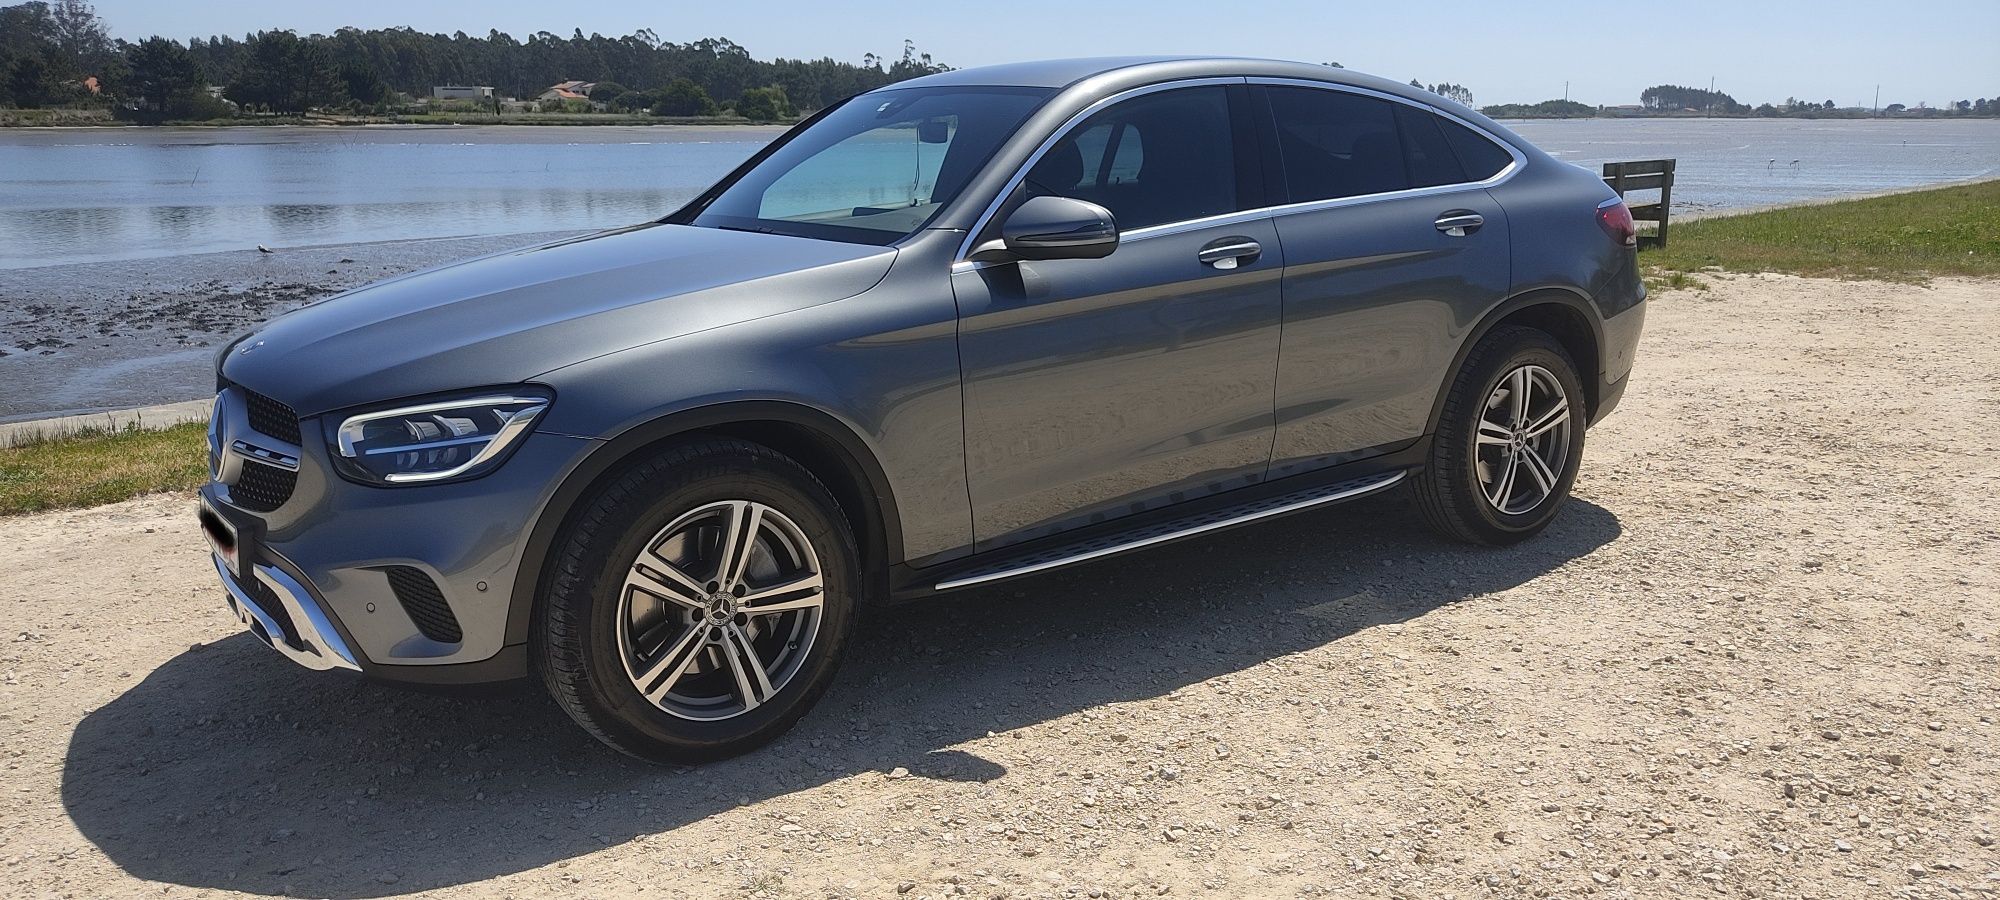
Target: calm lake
pixel 83 195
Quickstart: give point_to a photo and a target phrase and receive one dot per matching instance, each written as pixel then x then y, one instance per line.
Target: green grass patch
pixel 94 468
pixel 1905 237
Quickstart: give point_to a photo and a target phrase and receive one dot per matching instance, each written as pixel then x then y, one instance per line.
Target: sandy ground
pixel 1757 657
pixel 89 337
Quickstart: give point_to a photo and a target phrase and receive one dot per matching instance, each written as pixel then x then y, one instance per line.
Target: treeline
pixel 49 52
pixel 58 52
pixel 1674 100
pixel 1447 90
pixel 1547 109
pixel 1671 97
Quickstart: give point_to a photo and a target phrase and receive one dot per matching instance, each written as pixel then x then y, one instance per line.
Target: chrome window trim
pixel 1520 159
pixel 962 264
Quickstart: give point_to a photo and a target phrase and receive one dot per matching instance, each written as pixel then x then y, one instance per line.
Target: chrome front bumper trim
pixel 323 647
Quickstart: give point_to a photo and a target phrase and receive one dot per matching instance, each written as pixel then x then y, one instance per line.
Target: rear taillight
pixel 1617 221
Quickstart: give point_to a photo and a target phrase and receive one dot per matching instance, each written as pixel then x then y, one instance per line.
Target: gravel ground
pixel 1756 657
pixel 98 336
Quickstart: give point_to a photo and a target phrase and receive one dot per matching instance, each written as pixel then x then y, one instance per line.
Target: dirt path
pixel 1757 657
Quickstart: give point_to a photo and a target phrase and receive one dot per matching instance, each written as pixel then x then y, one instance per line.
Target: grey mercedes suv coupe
pixel 957 330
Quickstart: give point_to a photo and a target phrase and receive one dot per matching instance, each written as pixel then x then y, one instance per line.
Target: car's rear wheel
pixel 700 603
pixel 1508 443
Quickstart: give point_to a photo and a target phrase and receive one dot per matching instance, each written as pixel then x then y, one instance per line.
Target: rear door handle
pixel 1459 222
pixel 1226 253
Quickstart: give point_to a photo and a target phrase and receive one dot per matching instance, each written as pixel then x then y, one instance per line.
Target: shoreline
pixel 140 333
pixel 1824 201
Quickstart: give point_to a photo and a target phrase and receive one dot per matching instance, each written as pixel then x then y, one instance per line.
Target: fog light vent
pixel 425 604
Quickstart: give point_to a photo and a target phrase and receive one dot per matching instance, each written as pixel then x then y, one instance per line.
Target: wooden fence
pixel 1645 175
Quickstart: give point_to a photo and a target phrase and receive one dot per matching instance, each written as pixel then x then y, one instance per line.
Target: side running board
pixel 1172 530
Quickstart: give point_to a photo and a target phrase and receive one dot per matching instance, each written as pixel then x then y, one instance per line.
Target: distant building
pixel 462 92
pixel 568 90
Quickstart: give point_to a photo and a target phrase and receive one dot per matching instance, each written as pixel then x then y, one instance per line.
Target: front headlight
pixel 435 441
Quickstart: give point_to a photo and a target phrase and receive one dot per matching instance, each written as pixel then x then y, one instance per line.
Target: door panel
pixel 1099 388
pixel 1390 255
pixel 1376 300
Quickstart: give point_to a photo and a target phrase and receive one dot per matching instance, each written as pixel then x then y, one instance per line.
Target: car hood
pixel 509 317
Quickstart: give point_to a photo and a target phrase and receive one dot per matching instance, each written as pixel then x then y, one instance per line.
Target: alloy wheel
pixel 1522 444
pixel 719 610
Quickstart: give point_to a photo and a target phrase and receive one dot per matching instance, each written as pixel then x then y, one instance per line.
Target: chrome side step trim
pixel 1345 490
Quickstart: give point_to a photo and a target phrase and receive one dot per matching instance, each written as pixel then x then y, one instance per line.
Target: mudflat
pixel 1759 655
pixel 89 337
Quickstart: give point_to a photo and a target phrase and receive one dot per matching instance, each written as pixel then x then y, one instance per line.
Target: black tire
pixel 1449 491
pixel 576 642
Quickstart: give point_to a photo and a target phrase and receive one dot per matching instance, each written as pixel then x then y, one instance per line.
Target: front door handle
pixel 1459 222
pixel 1226 253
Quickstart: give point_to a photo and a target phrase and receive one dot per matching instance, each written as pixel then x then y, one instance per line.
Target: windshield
pixel 877 168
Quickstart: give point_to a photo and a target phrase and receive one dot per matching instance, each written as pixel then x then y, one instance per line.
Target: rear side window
pixel 1481 157
pixel 1431 159
pixel 1151 160
pixel 1334 144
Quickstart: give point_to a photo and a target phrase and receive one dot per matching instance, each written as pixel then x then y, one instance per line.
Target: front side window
pixel 1151 160
pixel 877 168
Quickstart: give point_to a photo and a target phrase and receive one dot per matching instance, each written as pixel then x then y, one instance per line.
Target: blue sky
pixel 1931 50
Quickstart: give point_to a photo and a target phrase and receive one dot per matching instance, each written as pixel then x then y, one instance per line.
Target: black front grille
pixel 268 416
pixel 425 604
pixel 263 488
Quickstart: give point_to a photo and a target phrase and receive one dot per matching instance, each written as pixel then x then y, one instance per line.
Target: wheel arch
pixel 821 443
pixel 1566 315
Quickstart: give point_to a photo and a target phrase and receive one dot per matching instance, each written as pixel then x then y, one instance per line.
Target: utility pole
pixel 1710 107
pixel 1878 102
pixel 1565 92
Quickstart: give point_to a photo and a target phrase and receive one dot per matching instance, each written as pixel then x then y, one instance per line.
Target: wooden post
pixel 1666 200
pixel 1652 174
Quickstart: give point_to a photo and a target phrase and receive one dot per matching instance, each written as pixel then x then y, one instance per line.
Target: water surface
pixel 85 195
pixel 96 194
pixel 1736 163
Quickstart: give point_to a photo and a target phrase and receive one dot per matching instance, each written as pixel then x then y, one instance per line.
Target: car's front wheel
pixel 700 603
pixel 1508 443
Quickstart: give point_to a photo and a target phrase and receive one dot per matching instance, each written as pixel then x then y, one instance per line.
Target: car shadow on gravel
pixel 229 768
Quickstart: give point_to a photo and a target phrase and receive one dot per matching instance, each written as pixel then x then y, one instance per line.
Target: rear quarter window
pixel 1432 161
pixel 1481 157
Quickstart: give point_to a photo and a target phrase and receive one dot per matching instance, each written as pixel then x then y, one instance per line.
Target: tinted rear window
pixel 1335 144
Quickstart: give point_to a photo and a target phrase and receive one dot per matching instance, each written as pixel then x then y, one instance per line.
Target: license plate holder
pixel 222 537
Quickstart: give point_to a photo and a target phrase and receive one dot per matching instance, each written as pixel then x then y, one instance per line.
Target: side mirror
pixel 1054 228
